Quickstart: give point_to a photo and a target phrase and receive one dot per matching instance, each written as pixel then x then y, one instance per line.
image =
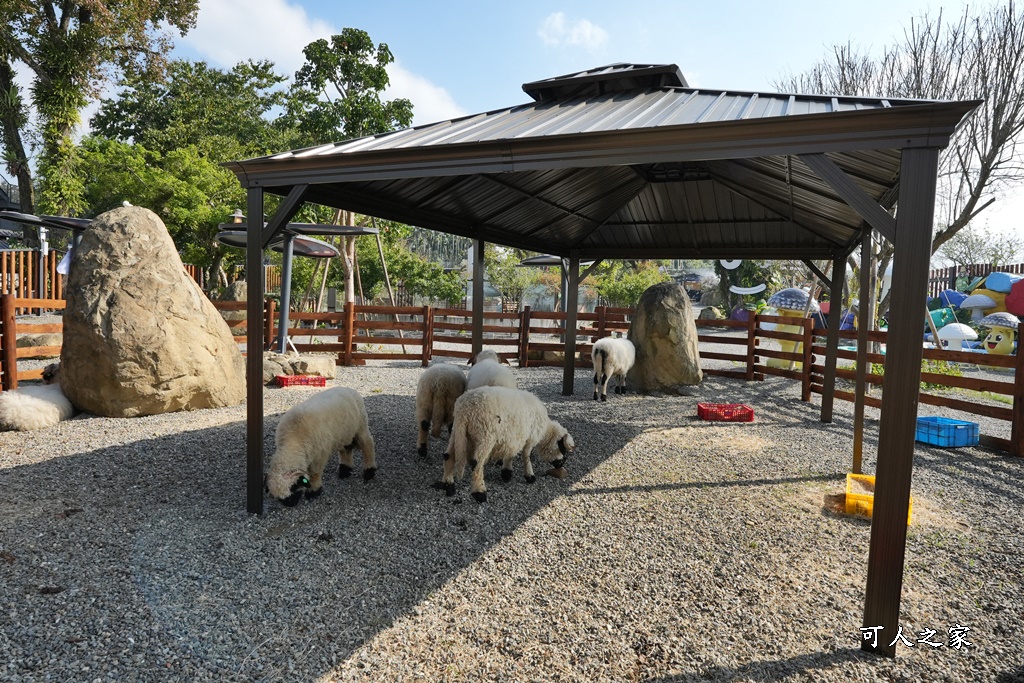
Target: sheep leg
pixel 477 487
pixel 345 461
pixel 604 387
pixel 316 484
pixel 506 467
pixel 421 438
pixel 596 383
pixel 528 465
pixel 365 442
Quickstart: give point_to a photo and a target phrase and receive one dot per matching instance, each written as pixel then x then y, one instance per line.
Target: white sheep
pixel 493 423
pixel 307 435
pixel 436 391
pixel 35 407
pixel 612 357
pixel 484 354
pixel 488 372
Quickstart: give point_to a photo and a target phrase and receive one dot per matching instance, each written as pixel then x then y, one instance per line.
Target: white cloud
pixel 556 31
pixel 430 102
pixel 231 31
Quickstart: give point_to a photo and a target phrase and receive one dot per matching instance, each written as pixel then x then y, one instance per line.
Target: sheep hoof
pixel 604 397
pixel 480 496
pixel 310 494
pixel 368 473
pixel 446 456
pixel 472 463
pixel 530 478
pixel 292 500
pixel 506 475
pixel 595 396
pixel 344 471
pixel 425 425
pixel 422 450
pixel 449 490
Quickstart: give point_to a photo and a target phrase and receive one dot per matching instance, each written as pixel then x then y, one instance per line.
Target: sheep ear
pixel 561 446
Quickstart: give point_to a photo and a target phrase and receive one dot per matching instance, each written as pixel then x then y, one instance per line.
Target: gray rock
pixel 275 364
pixel 41 340
pixel 140 337
pixel 665 337
pixel 711 313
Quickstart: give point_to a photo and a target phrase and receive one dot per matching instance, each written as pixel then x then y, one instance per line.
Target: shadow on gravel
pixel 810 664
pixel 679 486
pixel 150 541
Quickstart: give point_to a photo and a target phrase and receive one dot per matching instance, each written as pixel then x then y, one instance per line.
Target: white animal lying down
pixel 438 388
pixel 494 423
pixel 307 435
pixel 34 407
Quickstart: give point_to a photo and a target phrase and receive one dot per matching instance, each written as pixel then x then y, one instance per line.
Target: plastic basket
pixel 301 381
pixel 725 412
pixel 947 433
pixel 860 496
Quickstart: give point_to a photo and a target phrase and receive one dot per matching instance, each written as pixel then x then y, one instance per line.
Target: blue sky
pixel 459 57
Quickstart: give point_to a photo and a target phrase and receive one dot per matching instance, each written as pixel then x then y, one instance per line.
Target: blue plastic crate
pixel 947 433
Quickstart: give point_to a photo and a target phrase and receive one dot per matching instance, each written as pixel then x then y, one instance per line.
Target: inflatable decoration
pixel 730 265
pixel 1000 338
pixel 954 335
pixel 756 289
pixel 791 303
pixel 1015 299
pixel 977 304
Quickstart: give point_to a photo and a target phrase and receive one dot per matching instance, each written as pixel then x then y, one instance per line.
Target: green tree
pixel 336 94
pixel 748 273
pixel 976 245
pixel 223 113
pixel 506 275
pixel 72 49
pixel 622 283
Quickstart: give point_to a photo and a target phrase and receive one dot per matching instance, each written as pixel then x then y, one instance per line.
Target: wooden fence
pixel 533 338
pixel 811 370
pixel 941 279
pixel 19 275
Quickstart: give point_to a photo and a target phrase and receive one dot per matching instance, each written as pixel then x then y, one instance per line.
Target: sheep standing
pixel 332 420
pixel 438 388
pixel 487 371
pixel 612 358
pixel 493 423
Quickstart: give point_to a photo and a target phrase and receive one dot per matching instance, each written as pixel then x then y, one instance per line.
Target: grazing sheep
pixel 488 372
pixel 34 407
pixel 436 391
pixel 485 354
pixel 493 423
pixel 332 420
pixel 612 358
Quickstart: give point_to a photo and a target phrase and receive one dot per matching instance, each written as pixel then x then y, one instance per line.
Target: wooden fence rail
pixel 534 338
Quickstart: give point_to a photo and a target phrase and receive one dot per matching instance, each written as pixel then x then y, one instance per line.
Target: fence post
pixel 350 321
pixel 428 333
pixel 805 380
pixel 524 338
pixel 268 324
pixel 8 344
pixel 1017 425
pixel 602 321
pixel 751 341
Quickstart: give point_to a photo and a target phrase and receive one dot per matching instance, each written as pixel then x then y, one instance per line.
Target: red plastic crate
pixel 725 412
pixel 301 381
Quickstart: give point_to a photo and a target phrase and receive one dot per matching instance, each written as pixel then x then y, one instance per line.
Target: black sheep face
pixel 290 494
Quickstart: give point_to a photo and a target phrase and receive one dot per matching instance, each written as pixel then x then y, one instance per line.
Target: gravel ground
pixel 675 550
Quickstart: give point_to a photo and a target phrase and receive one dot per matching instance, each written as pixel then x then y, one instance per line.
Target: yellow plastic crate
pixel 860 496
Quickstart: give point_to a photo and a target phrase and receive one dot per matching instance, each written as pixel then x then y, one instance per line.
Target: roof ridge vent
pixel 620 77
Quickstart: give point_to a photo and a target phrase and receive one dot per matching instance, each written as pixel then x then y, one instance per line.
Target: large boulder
pixel 140 337
pixel 665 337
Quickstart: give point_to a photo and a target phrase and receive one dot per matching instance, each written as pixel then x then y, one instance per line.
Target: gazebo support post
pixel 478 295
pixel 835 312
pixel 918 172
pixel 286 292
pixel 864 316
pixel 572 296
pixel 254 359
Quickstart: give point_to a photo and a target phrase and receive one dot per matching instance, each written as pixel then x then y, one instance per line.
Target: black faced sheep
pixel 332 420
pixel 498 423
pixel 436 391
pixel 612 358
pixel 487 371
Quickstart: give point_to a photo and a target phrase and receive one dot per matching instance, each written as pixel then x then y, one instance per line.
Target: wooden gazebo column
pixel 835 312
pixel 915 213
pixel 478 295
pixel 254 354
pixel 865 321
pixel 572 298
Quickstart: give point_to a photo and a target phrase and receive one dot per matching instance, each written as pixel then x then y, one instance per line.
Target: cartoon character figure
pixel 792 303
pixel 1001 326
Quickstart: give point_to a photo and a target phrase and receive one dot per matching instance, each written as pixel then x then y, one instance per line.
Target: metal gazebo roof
pixel 627 161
